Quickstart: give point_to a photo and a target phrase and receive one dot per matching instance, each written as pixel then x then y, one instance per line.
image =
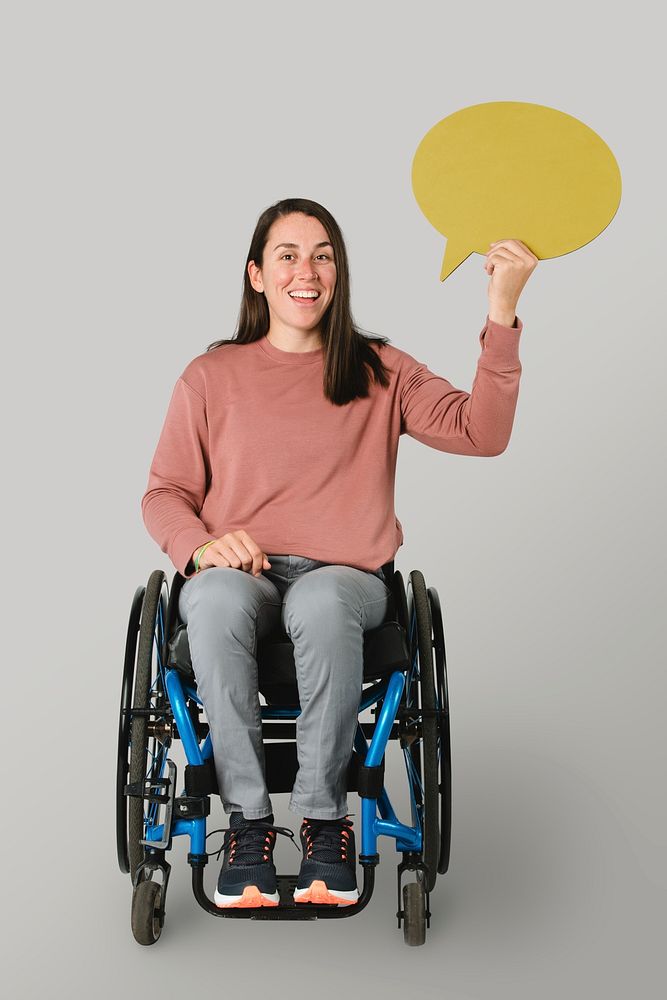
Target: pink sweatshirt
pixel 250 442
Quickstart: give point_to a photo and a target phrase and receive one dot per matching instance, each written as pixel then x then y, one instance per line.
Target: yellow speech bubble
pixel 511 170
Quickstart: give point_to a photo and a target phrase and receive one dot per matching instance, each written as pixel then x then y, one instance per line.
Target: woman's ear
pixel 255 275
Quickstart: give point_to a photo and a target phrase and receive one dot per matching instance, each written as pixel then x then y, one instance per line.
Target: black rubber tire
pixel 123 764
pixel 144 682
pixel 414 913
pixel 410 696
pixel 146 900
pixel 445 783
pixel 419 605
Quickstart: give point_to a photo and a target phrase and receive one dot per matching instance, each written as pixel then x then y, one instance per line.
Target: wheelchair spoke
pixel 416 780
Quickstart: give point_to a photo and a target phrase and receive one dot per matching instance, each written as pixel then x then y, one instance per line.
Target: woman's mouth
pixel 304 299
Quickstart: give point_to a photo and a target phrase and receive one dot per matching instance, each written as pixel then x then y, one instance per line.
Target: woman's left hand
pixel 510 264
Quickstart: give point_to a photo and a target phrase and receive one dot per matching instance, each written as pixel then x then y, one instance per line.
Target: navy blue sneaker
pixel 248 875
pixel 328 869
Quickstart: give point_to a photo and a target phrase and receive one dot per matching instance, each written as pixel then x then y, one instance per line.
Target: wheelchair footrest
pixel 287 909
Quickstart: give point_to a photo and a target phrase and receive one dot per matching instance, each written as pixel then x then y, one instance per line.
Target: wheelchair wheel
pixel 414 913
pixel 124 729
pixel 146 899
pixel 425 750
pixel 445 752
pixel 150 735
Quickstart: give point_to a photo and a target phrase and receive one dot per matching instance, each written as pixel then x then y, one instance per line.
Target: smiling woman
pixel 272 490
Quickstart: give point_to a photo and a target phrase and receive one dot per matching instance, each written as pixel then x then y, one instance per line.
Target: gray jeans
pixel 325 609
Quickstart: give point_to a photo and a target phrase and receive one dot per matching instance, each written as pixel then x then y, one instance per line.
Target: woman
pixel 271 490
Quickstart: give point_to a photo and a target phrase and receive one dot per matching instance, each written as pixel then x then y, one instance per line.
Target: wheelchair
pixel 405 688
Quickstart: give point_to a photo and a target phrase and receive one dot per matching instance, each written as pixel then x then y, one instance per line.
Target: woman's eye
pixel 326 255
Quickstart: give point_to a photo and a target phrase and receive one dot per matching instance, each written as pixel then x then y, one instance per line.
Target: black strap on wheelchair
pixel 370 780
pixel 201 779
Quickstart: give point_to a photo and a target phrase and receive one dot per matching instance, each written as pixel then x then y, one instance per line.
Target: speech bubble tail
pixel 454 255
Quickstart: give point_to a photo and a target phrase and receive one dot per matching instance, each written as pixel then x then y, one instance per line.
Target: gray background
pixel 142 140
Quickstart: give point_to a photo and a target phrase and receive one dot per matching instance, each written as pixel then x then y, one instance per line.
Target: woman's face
pixel 297 257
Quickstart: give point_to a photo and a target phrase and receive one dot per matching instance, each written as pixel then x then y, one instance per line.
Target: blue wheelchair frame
pixel 408 838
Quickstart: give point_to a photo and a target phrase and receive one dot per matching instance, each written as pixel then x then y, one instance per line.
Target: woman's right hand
pixel 237 550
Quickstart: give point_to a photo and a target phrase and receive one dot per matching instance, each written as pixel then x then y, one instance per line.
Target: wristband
pixel 200 554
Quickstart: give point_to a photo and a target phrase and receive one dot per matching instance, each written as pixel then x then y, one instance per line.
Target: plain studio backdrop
pixel 141 142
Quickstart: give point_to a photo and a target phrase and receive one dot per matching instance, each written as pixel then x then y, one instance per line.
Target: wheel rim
pixel 444 745
pixel 410 705
pixel 427 746
pixel 147 752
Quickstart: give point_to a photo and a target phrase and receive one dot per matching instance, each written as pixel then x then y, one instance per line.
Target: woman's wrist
pixel 198 553
pixel 504 315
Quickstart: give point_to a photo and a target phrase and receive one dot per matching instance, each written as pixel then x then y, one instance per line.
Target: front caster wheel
pixel 146 901
pixel 414 913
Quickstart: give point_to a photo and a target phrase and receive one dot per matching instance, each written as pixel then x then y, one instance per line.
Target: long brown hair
pixel 348 355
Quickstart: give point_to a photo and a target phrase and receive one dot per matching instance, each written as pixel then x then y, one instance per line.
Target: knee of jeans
pixel 221 591
pixel 313 599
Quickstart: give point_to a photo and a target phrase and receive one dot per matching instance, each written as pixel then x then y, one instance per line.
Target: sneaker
pixel 248 875
pixel 328 869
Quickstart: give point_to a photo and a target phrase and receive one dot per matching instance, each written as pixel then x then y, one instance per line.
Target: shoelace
pixel 327 839
pixel 251 842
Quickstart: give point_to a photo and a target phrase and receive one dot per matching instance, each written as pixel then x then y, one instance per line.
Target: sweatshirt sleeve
pixel 479 422
pixel 178 478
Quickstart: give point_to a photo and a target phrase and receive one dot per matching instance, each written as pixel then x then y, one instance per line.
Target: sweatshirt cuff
pixel 184 544
pixel 500 342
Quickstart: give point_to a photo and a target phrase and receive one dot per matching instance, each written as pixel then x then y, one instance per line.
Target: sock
pixel 237 818
pixel 309 819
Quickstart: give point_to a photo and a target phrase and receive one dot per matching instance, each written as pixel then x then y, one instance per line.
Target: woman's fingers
pixel 513 250
pixel 501 253
pixel 254 553
pixel 238 555
pixel 517 246
pixel 215 555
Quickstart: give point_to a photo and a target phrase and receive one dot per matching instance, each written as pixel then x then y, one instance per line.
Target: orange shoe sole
pixel 317 892
pixel 251 897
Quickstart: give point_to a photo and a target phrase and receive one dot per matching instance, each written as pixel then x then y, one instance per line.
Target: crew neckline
pixel 290 357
